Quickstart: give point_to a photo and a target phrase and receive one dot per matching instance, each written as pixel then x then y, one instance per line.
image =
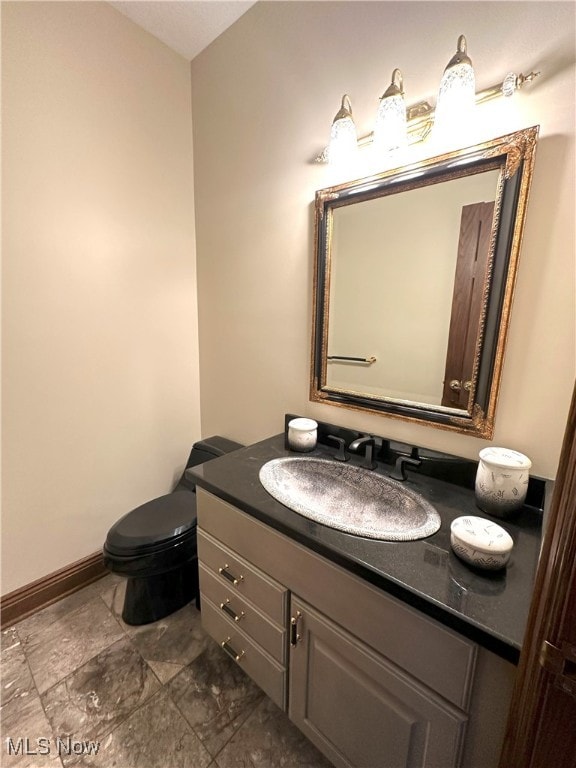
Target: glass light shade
pixel 509 85
pixel 343 138
pixel 457 93
pixel 390 131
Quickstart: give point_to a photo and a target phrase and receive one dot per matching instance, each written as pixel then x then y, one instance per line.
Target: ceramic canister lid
pixel 482 534
pixel 506 458
pixel 303 424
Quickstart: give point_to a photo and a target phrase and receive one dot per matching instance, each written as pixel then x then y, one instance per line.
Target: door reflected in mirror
pixel 414 276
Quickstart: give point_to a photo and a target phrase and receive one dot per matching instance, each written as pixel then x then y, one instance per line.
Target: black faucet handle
pixel 399 471
pixel 341 454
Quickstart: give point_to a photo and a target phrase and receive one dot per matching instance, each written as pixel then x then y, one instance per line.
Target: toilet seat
pixel 161 523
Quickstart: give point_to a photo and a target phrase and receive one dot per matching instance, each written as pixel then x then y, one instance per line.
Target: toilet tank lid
pixel 217 445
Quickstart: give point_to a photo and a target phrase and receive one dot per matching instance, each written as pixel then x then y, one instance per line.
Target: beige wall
pixel 264 95
pixel 100 379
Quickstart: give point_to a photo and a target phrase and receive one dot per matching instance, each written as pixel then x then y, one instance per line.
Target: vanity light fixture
pixel 343 138
pixel 456 93
pixel 390 127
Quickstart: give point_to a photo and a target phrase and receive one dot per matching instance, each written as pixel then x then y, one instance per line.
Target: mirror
pixel 414 276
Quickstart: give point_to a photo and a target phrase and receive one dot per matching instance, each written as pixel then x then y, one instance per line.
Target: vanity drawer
pixel 242 578
pixel 266 673
pixel 241 612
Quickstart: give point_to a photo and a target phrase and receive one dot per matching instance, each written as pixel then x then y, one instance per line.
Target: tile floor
pixel 163 695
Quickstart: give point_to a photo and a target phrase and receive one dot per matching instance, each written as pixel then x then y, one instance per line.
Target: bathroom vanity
pixel 382 653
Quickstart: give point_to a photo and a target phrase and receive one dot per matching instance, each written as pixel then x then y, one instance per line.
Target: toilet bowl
pixel 154 545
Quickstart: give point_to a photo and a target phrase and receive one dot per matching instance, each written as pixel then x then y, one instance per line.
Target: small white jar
pixel 302 434
pixel 501 481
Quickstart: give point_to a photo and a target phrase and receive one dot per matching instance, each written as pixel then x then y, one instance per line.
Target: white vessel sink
pixel 349 498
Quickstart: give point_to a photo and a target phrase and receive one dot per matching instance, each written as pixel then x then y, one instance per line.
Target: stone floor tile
pixel 60 648
pixel 164 670
pixel 154 736
pixel 215 696
pixel 268 738
pixel 176 640
pixel 98 696
pixel 114 599
pixel 26 740
pixel 15 676
pixel 8 637
pixel 52 613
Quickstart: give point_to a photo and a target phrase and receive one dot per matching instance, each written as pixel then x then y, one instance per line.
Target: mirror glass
pixel 413 284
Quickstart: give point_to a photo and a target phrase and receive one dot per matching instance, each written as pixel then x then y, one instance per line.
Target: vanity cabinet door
pixel 360 709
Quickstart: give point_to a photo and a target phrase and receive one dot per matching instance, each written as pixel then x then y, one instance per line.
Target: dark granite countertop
pixel 490 608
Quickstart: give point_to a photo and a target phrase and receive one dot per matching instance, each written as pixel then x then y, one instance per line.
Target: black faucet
pixel 341 454
pixel 399 471
pixel 371 444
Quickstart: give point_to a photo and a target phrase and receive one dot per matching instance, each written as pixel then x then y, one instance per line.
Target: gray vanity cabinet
pixel 359 709
pixel 372 682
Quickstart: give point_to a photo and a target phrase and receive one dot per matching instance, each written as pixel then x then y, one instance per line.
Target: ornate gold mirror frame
pixel 466 401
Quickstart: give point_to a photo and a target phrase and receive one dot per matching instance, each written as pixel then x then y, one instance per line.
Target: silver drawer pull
pixel 227 575
pixel 230 651
pixel 230 611
pixel 295 635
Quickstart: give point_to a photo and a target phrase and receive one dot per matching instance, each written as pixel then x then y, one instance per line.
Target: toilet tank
pixel 205 450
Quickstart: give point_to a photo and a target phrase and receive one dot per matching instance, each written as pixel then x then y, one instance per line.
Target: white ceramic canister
pixel 480 542
pixel 501 481
pixel 302 434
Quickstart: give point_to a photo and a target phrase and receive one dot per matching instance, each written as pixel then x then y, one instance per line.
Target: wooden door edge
pixel 551 587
